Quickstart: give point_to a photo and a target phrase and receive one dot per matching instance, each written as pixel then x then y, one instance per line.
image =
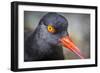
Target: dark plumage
pixel 43 45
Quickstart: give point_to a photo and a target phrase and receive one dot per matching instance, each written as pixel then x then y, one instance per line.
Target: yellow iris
pixel 51 29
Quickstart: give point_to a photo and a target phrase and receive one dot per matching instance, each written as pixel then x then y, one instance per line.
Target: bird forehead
pixel 56 20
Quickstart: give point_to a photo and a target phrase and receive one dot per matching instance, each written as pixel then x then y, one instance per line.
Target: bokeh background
pixel 78 28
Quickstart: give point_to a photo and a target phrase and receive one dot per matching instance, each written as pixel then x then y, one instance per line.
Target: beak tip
pixel 67 42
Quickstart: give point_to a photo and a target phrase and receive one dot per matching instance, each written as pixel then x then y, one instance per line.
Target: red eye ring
pixel 51 29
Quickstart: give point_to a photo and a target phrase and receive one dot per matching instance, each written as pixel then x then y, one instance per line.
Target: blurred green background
pixel 78 28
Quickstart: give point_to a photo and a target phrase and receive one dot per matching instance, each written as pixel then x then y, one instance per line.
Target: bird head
pixel 54 32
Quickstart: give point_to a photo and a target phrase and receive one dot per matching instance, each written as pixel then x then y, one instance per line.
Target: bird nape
pixel 46 42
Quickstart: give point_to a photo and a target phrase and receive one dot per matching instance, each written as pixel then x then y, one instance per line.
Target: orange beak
pixel 68 43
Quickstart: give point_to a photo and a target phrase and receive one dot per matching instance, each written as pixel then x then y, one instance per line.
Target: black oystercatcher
pixel 46 42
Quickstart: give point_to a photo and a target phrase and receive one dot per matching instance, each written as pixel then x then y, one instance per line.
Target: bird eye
pixel 51 29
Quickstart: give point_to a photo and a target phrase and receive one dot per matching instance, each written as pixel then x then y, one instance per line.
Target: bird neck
pixel 40 42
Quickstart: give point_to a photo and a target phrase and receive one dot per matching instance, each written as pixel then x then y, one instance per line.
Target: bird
pixel 46 41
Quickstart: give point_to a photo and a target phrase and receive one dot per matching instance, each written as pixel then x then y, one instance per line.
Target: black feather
pixel 41 45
